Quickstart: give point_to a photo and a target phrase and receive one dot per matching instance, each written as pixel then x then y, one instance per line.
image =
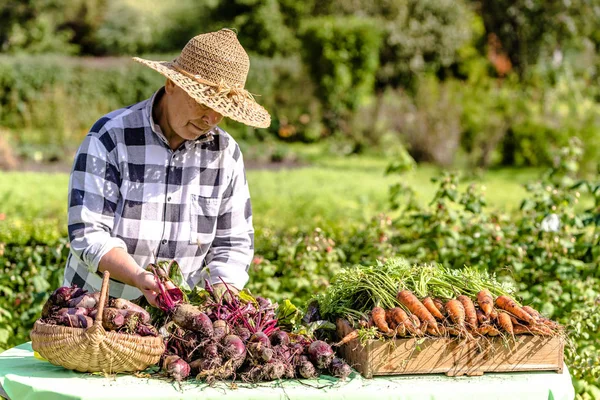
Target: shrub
pixel 31 267
pixel 342 56
pixel 38 96
pixel 430 122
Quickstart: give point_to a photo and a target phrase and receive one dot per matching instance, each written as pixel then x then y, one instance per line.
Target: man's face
pixel 187 118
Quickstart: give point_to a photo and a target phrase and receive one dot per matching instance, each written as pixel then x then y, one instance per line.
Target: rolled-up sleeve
pixel 232 250
pixel 93 197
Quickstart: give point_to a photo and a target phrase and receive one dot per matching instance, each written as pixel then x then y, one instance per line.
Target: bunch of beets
pixel 76 308
pixel 229 338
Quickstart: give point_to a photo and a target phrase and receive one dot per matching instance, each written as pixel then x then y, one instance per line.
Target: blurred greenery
pixel 456 83
pixel 496 89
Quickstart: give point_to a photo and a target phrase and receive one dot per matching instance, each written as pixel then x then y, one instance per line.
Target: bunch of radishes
pixel 226 337
pixel 76 308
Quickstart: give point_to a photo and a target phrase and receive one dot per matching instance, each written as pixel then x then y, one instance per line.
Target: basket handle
pixel 103 298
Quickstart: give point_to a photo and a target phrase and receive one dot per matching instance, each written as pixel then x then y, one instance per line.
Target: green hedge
pixel 47 103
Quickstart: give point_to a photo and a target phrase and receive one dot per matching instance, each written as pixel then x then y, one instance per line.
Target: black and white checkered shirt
pixel 128 189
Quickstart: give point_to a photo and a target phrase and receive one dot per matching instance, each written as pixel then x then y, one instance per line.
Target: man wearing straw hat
pixel 159 180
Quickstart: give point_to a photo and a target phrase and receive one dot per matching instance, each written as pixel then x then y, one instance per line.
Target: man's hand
pixel 146 282
pixel 220 290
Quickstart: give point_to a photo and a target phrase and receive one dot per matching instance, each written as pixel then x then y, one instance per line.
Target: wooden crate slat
pixel 452 357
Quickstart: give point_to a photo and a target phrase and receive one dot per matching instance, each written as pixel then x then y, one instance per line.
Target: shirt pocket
pixel 203 219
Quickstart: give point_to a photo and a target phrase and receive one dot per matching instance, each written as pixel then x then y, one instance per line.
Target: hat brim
pixel 238 108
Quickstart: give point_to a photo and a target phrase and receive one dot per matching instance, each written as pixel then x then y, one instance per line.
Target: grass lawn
pixel 330 190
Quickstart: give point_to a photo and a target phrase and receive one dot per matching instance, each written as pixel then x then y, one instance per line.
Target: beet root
pixel 203 364
pixel 243 333
pixel 191 318
pixel 210 350
pixel 73 311
pixel 320 353
pixel 220 329
pixel 113 319
pixel 146 330
pixel 176 367
pixel 260 337
pixel 122 304
pixel 279 338
pixel 75 321
pixel 274 370
pixel 234 350
pixel 339 368
pixel 258 353
pixel 84 301
pixel 306 369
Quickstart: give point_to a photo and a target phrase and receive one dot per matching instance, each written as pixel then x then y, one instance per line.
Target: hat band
pixel 222 88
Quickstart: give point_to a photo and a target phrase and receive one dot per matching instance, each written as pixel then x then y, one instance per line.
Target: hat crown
pixel 217 57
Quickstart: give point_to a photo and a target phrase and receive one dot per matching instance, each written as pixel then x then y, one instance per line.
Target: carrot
pixel 494 314
pixel 488 330
pixel 458 332
pixel 389 318
pixel 348 338
pixel 481 317
pixel 456 311
pixel 434 331
pixel 410 301
pixel 404 322
pixel 508 304
pixel 534 314
pixel 440 306
pixel 505 322
pixel 378 315
pixel 539 330
pixel 549 323
pixel 431 307
pixel 470 314
pixel 485 301
pixel 415 320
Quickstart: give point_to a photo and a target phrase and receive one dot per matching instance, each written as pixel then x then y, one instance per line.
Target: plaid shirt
pixel 128 189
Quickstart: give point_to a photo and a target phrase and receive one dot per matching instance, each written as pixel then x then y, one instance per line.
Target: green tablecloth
pixel 25 377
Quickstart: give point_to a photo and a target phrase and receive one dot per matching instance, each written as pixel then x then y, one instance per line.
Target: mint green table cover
pixel 25 377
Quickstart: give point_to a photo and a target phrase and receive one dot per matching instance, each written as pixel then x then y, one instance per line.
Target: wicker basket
pixel 94 349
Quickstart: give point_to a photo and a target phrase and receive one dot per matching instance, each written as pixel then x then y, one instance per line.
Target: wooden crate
pixel 449 356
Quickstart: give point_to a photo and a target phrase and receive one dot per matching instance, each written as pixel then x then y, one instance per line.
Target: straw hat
pixel 212 68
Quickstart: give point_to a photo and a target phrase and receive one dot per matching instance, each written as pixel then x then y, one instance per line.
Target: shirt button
pixel 164 241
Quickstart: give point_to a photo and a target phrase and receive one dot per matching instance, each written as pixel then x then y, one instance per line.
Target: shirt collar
pixel 207 137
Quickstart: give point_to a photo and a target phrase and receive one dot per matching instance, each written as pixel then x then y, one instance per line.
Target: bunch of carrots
pixel 457 317
pixel 397 298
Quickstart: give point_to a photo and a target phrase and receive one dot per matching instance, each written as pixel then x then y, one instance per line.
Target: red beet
pixel 73 311
pixel 123 304
pixel 85 301
pixel 176 367
pixel 234 349
pixel 306 369
pixel 210 350
pixel 258 353
pixel 339 368
pixel 220 329
pixel 191 318
pixel 320 353
pixel 243 333
pixel 113 319
pixel 260 337
pixel 279 337
pixel 75 321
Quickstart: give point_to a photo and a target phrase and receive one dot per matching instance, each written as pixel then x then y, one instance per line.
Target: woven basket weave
pixel 94 349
